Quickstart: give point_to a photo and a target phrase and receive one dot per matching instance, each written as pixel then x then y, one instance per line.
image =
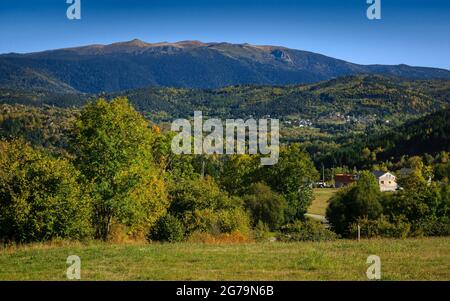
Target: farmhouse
pixel 386 180
pixel 341 179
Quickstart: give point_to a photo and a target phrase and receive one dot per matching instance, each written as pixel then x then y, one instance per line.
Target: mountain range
pixel 186 64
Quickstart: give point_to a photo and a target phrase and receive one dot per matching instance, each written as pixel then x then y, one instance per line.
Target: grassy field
pixel 419 259
pixel 321 198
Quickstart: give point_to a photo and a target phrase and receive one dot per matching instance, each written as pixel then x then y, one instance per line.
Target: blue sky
pixel 414 32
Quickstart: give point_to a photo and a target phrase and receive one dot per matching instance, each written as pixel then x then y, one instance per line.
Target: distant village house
pixel 386 180
pixel 342 180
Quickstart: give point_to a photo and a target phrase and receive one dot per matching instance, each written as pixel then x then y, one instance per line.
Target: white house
pixel 386 180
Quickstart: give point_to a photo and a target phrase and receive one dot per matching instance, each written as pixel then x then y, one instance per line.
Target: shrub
pixel 167 228
pixel 261 232
pixel 216 222
pixel 198 194
pixel 419 202
pixel 201 220
pixel 265 205
pixel 120 233
pixel 432 226
pixel 231 220
pixel 202 206
pixel 40 198
pixel 360 200
pixel 308 230
pixel 413 204
pixel 381 227
pixel 425 206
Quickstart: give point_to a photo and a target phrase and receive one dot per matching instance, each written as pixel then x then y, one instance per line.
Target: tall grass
pixel 401 259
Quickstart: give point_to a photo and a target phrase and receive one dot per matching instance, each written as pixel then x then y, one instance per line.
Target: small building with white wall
pixel 386 180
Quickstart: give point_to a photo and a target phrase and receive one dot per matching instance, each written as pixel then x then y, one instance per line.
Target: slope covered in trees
pixel 427 135
pixel 186 64
pixel 363 97
pixel 130 183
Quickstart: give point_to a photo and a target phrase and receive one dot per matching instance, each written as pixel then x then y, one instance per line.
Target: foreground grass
pixel 418 259
pixel 321 198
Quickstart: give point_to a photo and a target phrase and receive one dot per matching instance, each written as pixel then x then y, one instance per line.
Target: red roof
pixel 345 178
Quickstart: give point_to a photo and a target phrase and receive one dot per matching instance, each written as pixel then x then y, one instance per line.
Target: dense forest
pixel 356 121
pixel 427 135
pixel 110 156
pixel 363 97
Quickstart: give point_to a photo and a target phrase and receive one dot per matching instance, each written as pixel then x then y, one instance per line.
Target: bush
pixel 40 198
pixel 360 200
pixel 232 220
pixel 401 227
pixel 381 227
pixel 308 230
pixel 202 207
pixel 261 232
pixel 190 195
pixel 216 222
pixel 432 226
pixel 426 206
pixel 120 233
pixel 265 205
pixel 168 228
pixel 200 220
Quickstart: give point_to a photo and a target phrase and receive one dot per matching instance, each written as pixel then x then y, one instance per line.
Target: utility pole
pixel 332 177
pixel 203 168
pixel 323 173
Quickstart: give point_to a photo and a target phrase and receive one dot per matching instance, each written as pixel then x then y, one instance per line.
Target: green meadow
pixel 401 259
pixel 321 198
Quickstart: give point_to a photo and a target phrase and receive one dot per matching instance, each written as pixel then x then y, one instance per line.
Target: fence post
pixel 359 233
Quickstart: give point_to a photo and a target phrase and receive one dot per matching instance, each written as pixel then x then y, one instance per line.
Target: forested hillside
pixel 427 135
pixel 106 155
pixel 362 97
pixel 186 64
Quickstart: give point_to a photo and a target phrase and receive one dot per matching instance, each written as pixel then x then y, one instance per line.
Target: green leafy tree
pixel 177 166
pixel 360 200
pixel 292 177
pixel 238 172
pixel 40 198
pixel 265 205
pixel 202 206
pixel 442 172
pixel 112 144
pixel 190 195
pixel 419 201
